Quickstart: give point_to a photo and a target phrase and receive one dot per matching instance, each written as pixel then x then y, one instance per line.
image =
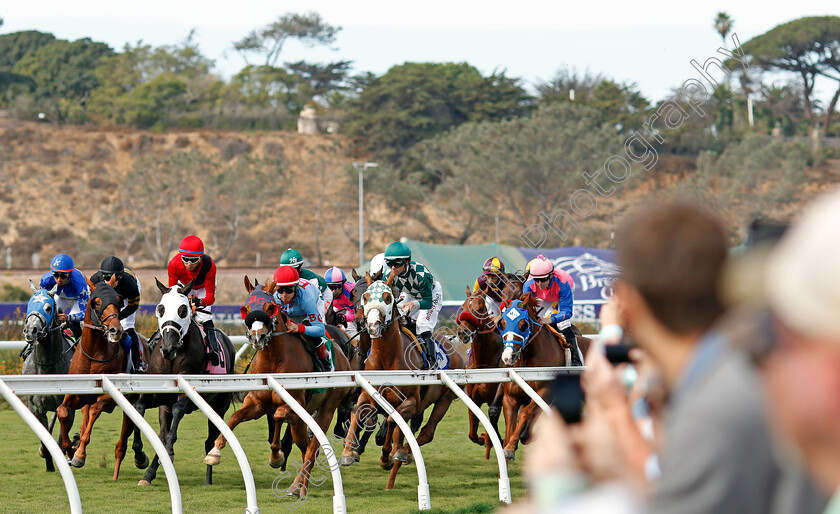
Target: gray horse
pixel 49 352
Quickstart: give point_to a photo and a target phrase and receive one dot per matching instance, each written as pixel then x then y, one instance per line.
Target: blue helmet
pixel 62 263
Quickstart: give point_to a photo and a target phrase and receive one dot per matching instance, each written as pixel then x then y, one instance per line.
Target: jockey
pixel 554 293
pixel 292 257
pixel 342 290
pixel 492 283
pixel 71 292
pixel 113 272
pixel 420 294
pixel 191 264
pixel 298 298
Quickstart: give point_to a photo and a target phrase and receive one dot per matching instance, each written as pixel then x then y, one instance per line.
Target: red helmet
pixel 191 246
pixel 286 276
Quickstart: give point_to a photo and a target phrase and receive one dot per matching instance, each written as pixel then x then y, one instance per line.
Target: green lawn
pixel 459 477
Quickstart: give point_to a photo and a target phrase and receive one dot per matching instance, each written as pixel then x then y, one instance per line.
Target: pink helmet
pixel 541 267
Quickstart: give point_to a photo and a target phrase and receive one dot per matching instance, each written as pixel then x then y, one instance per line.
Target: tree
pixel 723 25
pixel 514 168
pixel 808 47
pixel 17 44
pixel 414 101
pixel 268 42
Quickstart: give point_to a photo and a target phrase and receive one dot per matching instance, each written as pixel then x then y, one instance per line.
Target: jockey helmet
pixel 62 263
pixel 191 246
pixel 540 267
pixel 377 264
pixel 112 266
pixel 334 276
pixel 292 257
pixel 397 254
pixel 286 276
pixel 494 265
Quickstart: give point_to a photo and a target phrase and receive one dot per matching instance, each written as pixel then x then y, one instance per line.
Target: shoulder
pixel 529 284
pixel 77 281
pixel 47 280
pixel 174 264
pixel 206 260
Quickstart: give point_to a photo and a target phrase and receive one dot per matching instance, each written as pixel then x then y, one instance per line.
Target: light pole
pixel 360 166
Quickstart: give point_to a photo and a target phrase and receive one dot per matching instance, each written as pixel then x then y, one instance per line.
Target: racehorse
pixel 278 351
pixel 527 343
pixel 181 350
pixel 476 324
pixel 100 350
pixel 392 349
pixel 49 353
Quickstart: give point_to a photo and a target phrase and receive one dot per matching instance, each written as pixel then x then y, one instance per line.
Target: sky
pixel 650 43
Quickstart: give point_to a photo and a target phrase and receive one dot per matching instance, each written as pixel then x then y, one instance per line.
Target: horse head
pixel 174 315
pixel 378 305
pixel 472 316
pixel 259 313
pixel 515 325
pixel 40 312
pixel 104 308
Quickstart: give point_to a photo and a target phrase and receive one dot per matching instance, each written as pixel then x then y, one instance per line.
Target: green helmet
pixel 292 257
pixel 397 250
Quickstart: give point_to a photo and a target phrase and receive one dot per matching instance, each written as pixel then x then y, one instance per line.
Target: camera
pixel 618 353
pixel 567 397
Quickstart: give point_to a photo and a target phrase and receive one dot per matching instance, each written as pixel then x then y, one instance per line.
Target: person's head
pixel 61 266
pixel 191 249
pixel 111 269
pixel 541 269
pixel 397 257
pixel 671 258
pixel 293 258
pixel 801 368
pixel 493 269
pixel 335 280
pixel 286 279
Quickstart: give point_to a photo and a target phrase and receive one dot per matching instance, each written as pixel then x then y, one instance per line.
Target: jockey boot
pixel 136 354
pixel 324 361
pixel 429 345
pixel 569 334
pixel 212 344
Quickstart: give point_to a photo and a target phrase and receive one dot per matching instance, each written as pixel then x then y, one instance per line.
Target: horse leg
pixel 277 457
pixel 359 417
pixel 441 406
pixel 251 409
pixel 122 444
pixel 407 409
pixel 392 476
pixel 220 404
pixel 81 451
pixel 141 460
pixel 511 409
pixel 520 424
pixel 42 450
pixel 529 415
pixel 303 442
pixel 386 459
pixel 165 419
pixel 65 420
pixel 179 409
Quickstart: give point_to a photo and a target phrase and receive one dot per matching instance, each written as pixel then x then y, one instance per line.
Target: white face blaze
pixel 507 356
pixel 378 303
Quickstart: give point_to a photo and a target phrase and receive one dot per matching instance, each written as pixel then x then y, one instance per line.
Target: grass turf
pixel 460 479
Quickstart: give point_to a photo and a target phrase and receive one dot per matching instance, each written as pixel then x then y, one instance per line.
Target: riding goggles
pixel 190 260
pixel 60 275
pixel 395 263
pixel 335 286
pixel 107 276
pixel 286 289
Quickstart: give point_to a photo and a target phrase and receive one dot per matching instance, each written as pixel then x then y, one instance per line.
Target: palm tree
pixel 723 24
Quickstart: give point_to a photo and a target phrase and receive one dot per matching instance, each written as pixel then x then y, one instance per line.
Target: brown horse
pixel 393 349
pixel 99 350
pixel 279 351
pixel 476 324
pixel 527 343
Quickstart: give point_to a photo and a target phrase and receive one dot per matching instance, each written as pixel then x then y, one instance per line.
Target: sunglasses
pixel 543 279
pixel 61 275
pixel 394 263
pixel 286 289
pixel 107 276
pixel 190 260
pixel 335 286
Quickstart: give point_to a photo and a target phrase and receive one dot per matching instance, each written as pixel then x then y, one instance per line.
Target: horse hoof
pixel 41 452
pixel 387 465
pixel 144 482
pixel 77 462
pixel 402 456
pixel 277 463
pixel 213 457
pixel 142 464
pixel 347 460
pixel 510 455
pixel 294 490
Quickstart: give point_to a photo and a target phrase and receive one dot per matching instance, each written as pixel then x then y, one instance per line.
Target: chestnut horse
pixel 476 325
pixel 527 343
pixel 100 350
pixel 393 349
pixel 279 351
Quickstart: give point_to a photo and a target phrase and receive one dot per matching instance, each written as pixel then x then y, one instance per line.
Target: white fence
pixel 12 386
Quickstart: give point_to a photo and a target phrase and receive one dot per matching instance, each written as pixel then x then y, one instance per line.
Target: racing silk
pixel 72 297
pixel 204 276
pixel 304 305
pixel 127 289
pixel 313 277
pixel 557 291
pixel 494 292
pixel 416 281
pixel 342 301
